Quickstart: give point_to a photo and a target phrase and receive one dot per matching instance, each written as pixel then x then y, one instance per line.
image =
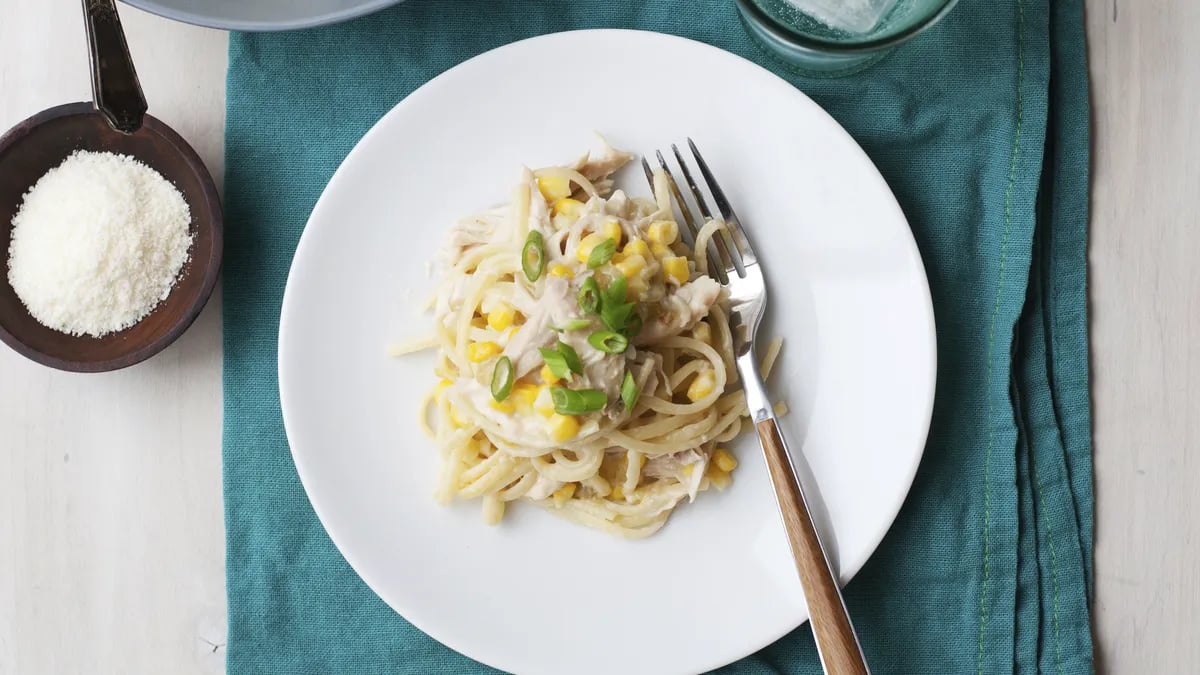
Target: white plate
pixel 538 594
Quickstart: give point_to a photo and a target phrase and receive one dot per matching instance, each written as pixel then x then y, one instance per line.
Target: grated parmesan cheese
pixel 98 243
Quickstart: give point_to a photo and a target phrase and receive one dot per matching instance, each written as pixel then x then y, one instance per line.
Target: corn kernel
pixel 702 332
pixel 636 247
pixel 636 290
pixel 506 406
pixel 723 460
pixel 501 316
pixel 719 479
pixel 482 351
pixel 631 266
pixel 523 395
pixel 562 427
pixel 561 270
pixel 588 244
pixel 676 269
pixel 441 387
pixel 612 229
pixel 567 208
pixel 544 404
pixel 663 232
pixel 554 188
pixel 661 251
pixel 548 375
pixel 618 492
pixel 562 494
pixel 702 385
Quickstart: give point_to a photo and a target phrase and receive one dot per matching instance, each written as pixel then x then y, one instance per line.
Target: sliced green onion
pixel 633 326
pixel 614 311
pixel 573 324
pixel 608 341
pixel 615 293
pixel 616 317
pixel 571 357
pixel 533 256
pixel 589 296
pixel 629 391
pixel 562 360
pixel 602 253
pixel 557 363
pixel 561 397
pixel 502 379
pixel 577 401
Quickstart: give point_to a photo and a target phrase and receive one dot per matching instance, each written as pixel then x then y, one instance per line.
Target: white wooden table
pixel 111 533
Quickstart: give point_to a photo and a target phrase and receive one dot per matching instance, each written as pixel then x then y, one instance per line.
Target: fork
pixel 736 267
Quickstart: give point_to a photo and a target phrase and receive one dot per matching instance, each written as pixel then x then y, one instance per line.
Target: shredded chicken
pixel 607 374
pixel 539 213
pixel 620 205
pixel 597 165
pixel 681 310
pixel 674 466
pixel 543 488
pixel 467 234
pixel 554 307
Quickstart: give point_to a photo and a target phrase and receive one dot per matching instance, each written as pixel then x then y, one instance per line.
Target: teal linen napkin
pixel 980 126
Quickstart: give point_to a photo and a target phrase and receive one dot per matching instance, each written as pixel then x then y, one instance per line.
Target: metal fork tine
pixel 722 248
pixel 687 175
pixel 649 174
pixel 689 220
pixel 740 240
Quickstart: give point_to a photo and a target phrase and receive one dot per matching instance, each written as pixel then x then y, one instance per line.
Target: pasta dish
pixel 584 354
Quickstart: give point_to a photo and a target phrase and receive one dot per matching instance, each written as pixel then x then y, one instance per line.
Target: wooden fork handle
pixel 836 642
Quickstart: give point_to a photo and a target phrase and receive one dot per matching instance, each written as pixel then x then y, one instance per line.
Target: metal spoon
pixel 116 91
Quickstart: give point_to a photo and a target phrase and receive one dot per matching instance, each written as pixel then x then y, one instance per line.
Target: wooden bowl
pixel 41 143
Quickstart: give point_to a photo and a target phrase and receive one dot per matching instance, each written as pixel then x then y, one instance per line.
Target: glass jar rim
pixel 753 12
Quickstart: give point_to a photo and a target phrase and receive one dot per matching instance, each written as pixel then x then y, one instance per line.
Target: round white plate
pixel 538 594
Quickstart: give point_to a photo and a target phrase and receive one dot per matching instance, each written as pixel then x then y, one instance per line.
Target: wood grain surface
pixel 111 536
pixel 1145 304
pixel 831 624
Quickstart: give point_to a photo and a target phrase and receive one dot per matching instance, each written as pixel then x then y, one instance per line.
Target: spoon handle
pixel 115 87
